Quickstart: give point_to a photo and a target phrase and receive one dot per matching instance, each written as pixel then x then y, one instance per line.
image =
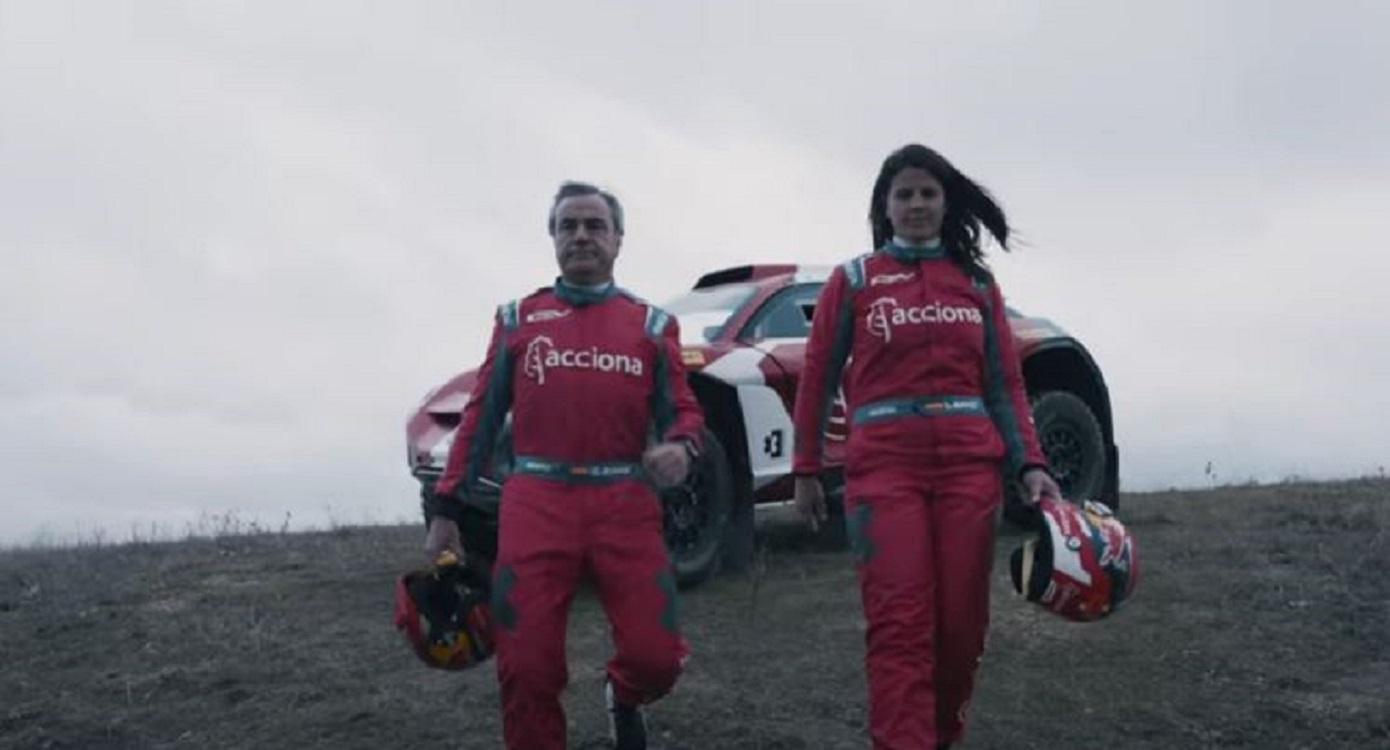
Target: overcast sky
pixel 241 240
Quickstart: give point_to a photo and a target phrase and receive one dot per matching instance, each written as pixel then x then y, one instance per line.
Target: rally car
pixel 743 333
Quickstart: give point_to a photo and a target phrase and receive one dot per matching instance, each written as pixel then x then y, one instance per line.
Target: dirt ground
pixel 1262 621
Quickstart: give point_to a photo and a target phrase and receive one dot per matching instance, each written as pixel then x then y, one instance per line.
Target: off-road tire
pixel 1072 440
pixel 740 534
pixel 696 513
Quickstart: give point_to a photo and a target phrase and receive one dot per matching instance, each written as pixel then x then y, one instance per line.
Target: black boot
pixel 626 727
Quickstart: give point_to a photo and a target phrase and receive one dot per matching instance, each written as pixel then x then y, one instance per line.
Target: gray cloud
pixel 240 242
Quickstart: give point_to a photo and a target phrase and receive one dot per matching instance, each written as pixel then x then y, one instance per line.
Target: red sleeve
pixel 482 416
pixel 827 349
pixel 1006 396
pixel 678 414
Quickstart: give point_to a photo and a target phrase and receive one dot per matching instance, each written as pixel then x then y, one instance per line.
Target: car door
pixel 779 329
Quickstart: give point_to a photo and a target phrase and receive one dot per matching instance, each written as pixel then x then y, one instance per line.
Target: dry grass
pixel 1262 621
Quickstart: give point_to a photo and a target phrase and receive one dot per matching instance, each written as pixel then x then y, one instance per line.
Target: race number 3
pixel 772 444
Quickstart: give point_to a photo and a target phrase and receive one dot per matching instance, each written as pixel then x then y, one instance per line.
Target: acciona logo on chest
pixel 542 356
pixel 886 313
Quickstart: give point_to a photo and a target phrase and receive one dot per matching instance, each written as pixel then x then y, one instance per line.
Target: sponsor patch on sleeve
pixel 541 316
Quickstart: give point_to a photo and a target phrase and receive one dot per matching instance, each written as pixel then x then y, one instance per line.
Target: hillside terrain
pixel 1262 621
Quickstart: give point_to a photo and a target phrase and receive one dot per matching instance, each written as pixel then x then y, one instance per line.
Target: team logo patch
pixel 885 314
pixel 542 355
pixel 541 316
pixel 878 318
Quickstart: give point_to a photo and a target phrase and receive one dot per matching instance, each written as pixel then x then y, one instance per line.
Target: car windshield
pixel 703 312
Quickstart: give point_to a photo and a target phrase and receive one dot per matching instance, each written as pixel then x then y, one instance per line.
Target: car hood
pixel 451 397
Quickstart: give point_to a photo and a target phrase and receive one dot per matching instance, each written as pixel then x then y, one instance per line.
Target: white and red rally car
pixel 743 333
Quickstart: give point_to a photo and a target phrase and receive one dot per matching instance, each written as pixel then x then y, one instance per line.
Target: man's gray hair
pixel 571 189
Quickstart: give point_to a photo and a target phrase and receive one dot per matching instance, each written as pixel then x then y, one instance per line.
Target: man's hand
pixel 1039 483
pixel 667 463
pixel 809 498
pixel 442 537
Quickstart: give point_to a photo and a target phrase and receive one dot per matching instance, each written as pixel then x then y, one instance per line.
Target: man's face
pixel 586 243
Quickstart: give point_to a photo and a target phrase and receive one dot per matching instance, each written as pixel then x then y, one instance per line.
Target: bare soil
pixel 1261 621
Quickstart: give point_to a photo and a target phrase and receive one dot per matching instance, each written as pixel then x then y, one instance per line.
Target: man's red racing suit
pixel 590 379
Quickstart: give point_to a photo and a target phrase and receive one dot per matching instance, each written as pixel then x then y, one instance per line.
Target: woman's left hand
pixel 1039 483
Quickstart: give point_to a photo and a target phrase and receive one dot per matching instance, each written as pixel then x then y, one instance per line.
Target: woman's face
pixel 916 205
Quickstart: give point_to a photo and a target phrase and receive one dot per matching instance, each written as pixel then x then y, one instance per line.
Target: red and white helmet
pixel 445 615
pixel 1082 566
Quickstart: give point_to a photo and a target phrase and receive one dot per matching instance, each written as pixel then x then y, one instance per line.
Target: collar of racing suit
pixel 580 296
pixel 908 253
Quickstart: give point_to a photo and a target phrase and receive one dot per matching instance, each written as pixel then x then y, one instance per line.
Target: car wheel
pixel 696 513
pixel 740 544
pixel 1072 439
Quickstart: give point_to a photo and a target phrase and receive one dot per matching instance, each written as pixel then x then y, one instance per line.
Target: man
pixel 590 375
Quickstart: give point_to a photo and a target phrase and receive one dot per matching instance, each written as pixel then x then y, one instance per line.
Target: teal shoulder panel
pixel 510 314
pixel 855 271
pixel 656 321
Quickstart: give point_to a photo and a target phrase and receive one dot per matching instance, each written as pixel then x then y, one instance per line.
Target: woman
pixel 936 404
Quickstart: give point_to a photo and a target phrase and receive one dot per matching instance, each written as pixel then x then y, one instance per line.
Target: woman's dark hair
pixel 968 205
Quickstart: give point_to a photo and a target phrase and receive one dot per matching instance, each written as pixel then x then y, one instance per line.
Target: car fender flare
pixel 763 413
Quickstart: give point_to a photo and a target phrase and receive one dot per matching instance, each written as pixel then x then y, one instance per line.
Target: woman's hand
pixel 1038 483
pixel 809 498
